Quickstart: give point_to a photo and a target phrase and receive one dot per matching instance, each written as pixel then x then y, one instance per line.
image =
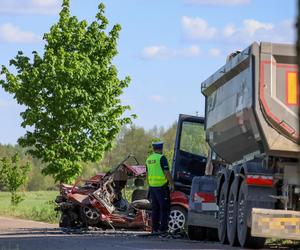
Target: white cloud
pixel 247 31
pixel 157 52
pixel 229 30
pixel 158 98
pixel 163 52
pixel 218 2
pixel 251 27
pixel 253 30
pixel 197 28
pixel 191 51
pixel 13 34
pixel 214 52
pixel 42 7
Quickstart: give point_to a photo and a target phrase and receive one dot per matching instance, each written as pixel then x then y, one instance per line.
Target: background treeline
pixel 131 140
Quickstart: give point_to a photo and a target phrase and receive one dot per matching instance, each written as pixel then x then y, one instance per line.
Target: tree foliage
pixel 36 181
pixel 193 139
pixel 137 141
pixel 130 140
pixel 71 94
pixel 13 175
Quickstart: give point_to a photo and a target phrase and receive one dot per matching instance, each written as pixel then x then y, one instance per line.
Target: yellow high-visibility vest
pixel 156 176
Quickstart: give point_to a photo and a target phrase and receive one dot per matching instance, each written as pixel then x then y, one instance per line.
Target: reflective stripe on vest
pixel 156 176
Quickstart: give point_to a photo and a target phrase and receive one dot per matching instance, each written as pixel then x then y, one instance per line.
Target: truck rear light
pixel 260 180
pixel 204 197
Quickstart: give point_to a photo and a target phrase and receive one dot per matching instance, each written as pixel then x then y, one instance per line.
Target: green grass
pixel 290 244
pixel 38 206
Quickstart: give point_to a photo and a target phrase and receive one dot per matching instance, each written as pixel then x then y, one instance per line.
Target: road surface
pixel 17 234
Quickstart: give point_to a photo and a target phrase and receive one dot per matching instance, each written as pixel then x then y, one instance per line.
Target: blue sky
pixel 167 47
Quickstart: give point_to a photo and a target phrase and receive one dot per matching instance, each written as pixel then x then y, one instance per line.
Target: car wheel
pixel 231 221
pixel 222 233
pixel 91 215
pixel 196 233
pixel 177 219
pixel 244 232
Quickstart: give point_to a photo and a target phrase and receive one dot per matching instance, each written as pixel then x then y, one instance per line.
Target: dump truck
pixel 251 122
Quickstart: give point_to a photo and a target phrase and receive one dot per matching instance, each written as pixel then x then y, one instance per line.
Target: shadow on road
pixel 55 238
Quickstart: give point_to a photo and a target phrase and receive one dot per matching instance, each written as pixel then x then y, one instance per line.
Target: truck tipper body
pixel 251 122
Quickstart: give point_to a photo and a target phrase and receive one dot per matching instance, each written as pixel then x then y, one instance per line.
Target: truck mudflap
pixel 282 224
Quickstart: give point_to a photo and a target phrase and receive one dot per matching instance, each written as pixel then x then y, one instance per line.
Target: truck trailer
pixel 251 123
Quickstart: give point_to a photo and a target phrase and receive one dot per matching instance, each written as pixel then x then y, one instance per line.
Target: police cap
pixel 157 144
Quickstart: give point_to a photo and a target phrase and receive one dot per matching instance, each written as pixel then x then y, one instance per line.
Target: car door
pixel 190 152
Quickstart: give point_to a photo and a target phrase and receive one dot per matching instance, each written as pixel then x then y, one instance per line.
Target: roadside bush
pixel 44 213
pixel 13 176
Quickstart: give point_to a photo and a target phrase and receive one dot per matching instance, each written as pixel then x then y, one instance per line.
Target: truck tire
pixel 244 232
pixel 196 233
pixel 231 218
pixel 222 233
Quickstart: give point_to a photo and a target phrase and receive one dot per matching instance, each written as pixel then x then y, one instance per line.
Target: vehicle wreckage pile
pixel 98 202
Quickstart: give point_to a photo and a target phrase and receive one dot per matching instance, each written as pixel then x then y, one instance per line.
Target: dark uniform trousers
pixel 160 200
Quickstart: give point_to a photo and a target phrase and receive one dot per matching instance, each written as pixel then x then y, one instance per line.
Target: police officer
pixel 159 179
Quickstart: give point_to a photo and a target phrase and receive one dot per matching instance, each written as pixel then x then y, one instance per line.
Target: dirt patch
pixel 17 226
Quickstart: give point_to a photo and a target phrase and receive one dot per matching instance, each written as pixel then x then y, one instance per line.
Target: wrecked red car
pixel 101 202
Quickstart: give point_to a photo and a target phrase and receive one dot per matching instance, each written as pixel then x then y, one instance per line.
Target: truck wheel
pixel 222 234
pixel 232 214
pixel 178 219
pixel 196 233
pixel 244 232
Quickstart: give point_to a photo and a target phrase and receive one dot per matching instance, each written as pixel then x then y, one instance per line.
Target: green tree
pixel 71 94
pixel 13 176
pixel 136 140
pixel 132 140
pixel 192 139
pixel 169 140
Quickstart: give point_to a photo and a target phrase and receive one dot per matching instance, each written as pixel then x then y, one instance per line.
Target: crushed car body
pixel 99 202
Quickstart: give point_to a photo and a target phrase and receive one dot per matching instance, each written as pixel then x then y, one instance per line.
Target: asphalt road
pixel 18 234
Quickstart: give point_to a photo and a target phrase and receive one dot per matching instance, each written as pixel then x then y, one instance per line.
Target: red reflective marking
pixel 206 197
pixel 289 66
pixel 263 100
pixel 259 181
pixel 262 92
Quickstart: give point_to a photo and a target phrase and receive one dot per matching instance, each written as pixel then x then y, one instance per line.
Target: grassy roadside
pixel 38 206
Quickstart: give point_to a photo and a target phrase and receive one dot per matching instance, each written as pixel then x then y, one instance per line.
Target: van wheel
pixel 222 233
pixel 196 233
pixel 243 231
pixel 177 219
